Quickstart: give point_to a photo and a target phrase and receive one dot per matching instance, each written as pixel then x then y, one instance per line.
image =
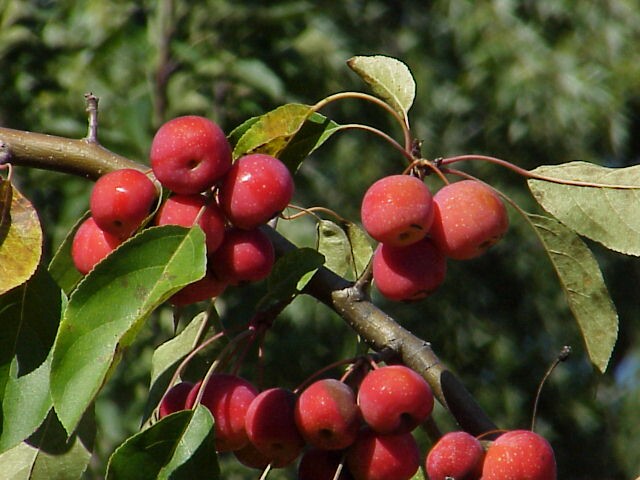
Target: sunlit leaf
pixel 346 248
pixel 29 318
pixel 20 238
pixel 237 133
pixel 389 78
pixel 110 306
pixel 290 132
pixel 610 216
pixel 180 446
pixel 49 455
pixel 361 248
pixel 584 287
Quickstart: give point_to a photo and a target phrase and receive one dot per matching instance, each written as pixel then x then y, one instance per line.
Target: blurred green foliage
pixel 534 82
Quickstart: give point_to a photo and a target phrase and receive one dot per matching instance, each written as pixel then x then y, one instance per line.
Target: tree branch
pixel 78 157
pixel 379 330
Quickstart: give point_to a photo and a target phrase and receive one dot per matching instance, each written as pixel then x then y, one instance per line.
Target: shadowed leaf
pixel 29 316
pixel 584 287
pixel 180 446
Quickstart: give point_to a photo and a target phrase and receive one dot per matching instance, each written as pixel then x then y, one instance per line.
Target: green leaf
pixel 290 132
pixel 166 358
pixel 49 455
pixel 584 287
pixel 333 243
pixel 290 274
pixel 29 317
pixel 20 238
pixel 346 247
pixel 237 133
pixel 110 306
pixel 607 215
pixel 180 446
pixel 361 248
pixel 389 78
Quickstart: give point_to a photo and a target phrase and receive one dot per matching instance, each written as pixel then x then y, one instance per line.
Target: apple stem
pixel 431 428
pixel 402 120
pixel 265 473
pixel 561 357
pixel 380 133
pixel 336 475
pixel 528 174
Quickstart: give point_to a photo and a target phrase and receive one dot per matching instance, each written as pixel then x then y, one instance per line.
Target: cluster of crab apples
pixel 191 158
pixel 418 232
pixel 324 425
pixel 336 432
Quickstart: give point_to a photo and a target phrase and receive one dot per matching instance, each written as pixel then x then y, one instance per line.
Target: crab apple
pixel 327 414
pixel 397 210
pixel 408 273
pixel 121 200
pixel 519 454
pixel 244 256
pixel 251 457
pixel 374 456
pixel 184 209
pixel 90 245
pixel 189 154
pixel 271 426
pixel 228 398
pixel 175 399
pixel 456 455
pixel 206 288
pixel 318 464
pixel 394 399
pixel 469 217
pixel 256 189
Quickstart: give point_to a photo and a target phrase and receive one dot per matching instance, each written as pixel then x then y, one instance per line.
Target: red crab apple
pixel 190 154
pixel 327 414
pixel 469 218
pixel 228 398
pixel 383 457
pixel 456 455
pixel 519 454
pixel 90 245
pixel 184 209
pixel 243 256
pixel 397 210
pixel 408 273
pixel 256 189
pixel 206 288
pixel 121 200
pixel 175 399
pixel 251 457
pixel 271 426
pixel 394 399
